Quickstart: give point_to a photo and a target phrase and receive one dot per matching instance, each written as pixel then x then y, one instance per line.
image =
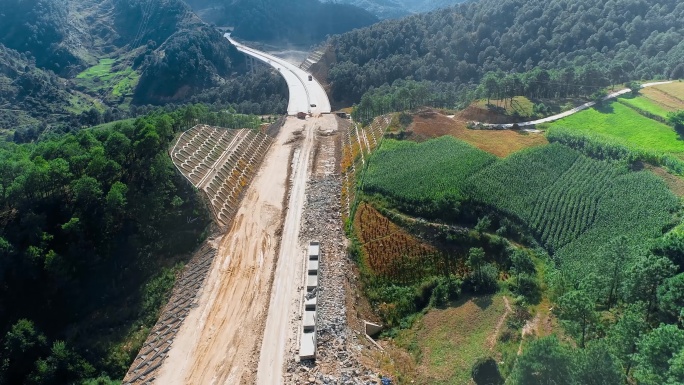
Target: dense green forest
pixel 558 43
pixel 608 238
pixel 93 226
pixel 287 21
pixel 39 27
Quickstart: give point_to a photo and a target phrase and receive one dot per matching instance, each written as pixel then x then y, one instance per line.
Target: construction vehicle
pixel 301 115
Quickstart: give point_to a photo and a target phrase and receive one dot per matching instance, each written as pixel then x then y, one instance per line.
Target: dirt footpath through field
pixel 219 341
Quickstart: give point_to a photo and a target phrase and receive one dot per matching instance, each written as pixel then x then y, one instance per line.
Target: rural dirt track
pixel 218 338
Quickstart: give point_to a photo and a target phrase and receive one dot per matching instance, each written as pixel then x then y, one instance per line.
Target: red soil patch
pixel 498 142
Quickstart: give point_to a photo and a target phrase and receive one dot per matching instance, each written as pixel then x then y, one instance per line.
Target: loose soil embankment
pixel 218 341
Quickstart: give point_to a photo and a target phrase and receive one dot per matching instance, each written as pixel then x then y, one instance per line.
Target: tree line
pixel 92 224
pixel 611 41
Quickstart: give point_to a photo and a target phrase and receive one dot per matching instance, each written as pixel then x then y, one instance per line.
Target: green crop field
pixel 571 204
pixel 103 78
pixel 575 205
pixel 431 171
pixel 626 126
pixel 648 105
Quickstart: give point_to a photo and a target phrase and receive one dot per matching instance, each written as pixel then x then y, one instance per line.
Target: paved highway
pixel 305 95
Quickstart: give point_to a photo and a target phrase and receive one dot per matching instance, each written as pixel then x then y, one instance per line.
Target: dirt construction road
pixel 288 277
pixel 219 341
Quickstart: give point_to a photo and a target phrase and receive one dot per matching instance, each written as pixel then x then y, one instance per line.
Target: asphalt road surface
pixel 305 95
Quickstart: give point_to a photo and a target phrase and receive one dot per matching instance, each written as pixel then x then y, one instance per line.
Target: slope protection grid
pixel 217 341
pixel 220 163
pixel 158 342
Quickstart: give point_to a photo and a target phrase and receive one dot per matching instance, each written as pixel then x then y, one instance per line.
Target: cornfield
pixel 573 204
pixel 392 253
pixel 423 172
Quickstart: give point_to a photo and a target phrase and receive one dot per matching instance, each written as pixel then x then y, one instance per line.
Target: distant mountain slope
pixel 154 51
pixel 392 9
pixel 606 41
pixel 39 27
pixel 25 88
pixel 298 21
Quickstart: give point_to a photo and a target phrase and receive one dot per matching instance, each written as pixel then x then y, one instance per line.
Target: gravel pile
pixel 336 361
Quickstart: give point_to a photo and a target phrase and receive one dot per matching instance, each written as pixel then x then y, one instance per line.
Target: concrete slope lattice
pixel 161 336
pixel 220 162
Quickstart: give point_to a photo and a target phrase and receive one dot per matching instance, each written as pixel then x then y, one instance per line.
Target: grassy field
pixel 445 343
pixel 107 126
pixel 500 142
pixel 647 104
pixel 667 96
pixel 627 126
pixel 104 78
pixel 659 100
pixel 520 106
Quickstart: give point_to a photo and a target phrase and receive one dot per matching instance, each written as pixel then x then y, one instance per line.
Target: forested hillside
pixel 80 62
pixel 27 93
pixel 93 226
pixel 597 43
pixel 39 27
pixel 300 21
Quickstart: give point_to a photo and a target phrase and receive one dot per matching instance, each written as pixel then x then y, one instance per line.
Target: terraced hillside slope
pixel 221 163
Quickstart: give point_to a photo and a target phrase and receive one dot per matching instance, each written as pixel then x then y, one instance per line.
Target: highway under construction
pixel 238 316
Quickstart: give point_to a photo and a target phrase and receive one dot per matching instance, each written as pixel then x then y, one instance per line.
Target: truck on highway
pixel 310 78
